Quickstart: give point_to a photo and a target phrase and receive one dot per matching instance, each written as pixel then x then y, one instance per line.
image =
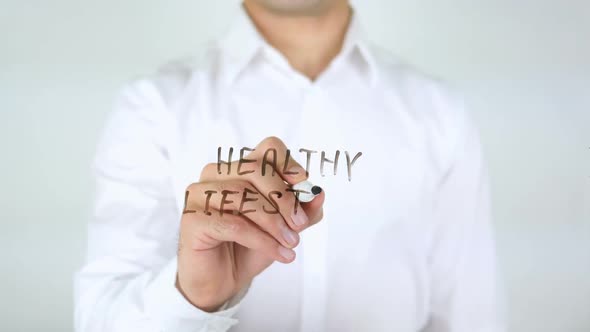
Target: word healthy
pixel 270 158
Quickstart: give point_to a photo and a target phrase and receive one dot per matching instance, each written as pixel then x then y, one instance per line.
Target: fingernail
pixel 289 236
pixel 286 253
pixel 299 218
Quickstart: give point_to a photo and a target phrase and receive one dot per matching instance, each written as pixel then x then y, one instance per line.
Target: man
pixel 190 236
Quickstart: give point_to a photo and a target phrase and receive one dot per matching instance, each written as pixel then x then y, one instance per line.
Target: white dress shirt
pixel 405 245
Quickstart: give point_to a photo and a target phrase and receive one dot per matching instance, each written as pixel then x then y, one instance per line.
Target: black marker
pixel 307 191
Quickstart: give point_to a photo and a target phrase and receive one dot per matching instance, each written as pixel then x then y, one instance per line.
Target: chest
pixel 361 151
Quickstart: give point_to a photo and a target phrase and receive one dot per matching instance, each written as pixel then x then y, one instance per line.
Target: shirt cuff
pixel 172 312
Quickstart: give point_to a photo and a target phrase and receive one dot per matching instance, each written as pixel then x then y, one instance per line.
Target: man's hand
pixel 221 251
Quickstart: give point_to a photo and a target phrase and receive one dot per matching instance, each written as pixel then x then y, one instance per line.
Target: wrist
pixel 205 303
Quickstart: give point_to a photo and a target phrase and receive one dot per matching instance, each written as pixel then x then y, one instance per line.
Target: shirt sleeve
pixel 465 293
pixel 128 280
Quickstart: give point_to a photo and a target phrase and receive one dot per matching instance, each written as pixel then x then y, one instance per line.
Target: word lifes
pixel 248 195
pixel 270 159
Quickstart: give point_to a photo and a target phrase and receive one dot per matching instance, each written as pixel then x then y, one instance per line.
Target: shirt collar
pixel 243 42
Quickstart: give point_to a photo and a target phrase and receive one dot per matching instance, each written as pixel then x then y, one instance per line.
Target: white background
pixel 524 67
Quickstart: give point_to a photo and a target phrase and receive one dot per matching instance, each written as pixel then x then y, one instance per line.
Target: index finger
pixel 272 152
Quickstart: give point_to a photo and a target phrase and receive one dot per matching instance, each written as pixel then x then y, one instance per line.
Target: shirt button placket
pixel 313 302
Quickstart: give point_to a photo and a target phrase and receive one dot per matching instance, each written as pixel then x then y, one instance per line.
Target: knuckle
pixel 240 185
pixel 219 186
pixel 186 222
pixel 226 226
pixel 209 169
pixel 272 142
pixel 257 165
pixel 318 218
pixel 273 226
pixel 234 226
pixel 261 241
pixel 215 226
pixel 193 187
pixel 271 222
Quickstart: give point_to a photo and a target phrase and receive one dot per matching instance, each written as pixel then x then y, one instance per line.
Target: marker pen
pixel 309 191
